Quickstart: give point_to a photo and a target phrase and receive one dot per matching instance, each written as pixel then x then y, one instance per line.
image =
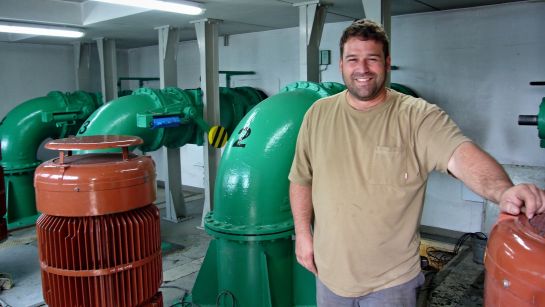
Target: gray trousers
pixel 403 295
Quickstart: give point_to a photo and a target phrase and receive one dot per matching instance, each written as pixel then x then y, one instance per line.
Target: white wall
pixel 28 71
pixel 476 64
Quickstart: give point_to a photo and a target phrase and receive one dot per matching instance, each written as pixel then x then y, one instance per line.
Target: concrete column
pixel 168 76
pixel 108 68
pixel 311 24
pixel 378 11
pixel 207 40
pixel 82 64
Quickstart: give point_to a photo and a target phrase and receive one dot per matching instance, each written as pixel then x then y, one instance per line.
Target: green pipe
pixel 134 114
pixel 118 117
pixel 403 89
pixel 24 128
pixel 252 223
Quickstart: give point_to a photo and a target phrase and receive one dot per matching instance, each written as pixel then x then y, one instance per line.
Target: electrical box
pixel 325 57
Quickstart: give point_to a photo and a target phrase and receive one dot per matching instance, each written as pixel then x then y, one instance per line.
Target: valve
pixel 536 120
pixel 217 135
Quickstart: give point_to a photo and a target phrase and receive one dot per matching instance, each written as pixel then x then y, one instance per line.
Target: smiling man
pixel 359 176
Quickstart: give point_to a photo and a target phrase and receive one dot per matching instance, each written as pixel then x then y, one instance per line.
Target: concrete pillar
pixel 108 68
pixel 311 24
pixel 207 40
pixel 168 76
pixel 82 64
pixel 379 11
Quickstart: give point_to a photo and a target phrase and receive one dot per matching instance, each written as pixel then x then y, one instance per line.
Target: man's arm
pixel 482 174
pixel 301 208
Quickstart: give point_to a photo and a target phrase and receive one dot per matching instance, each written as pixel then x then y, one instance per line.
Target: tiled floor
pixel 186 244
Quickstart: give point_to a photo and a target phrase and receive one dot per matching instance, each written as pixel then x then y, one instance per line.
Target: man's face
pixel 364 68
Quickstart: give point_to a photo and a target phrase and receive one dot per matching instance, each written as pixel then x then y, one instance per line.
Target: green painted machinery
pixel 403 89
pixel 170 117
pixel 174 116
pixel 24 128
pixel 536 120
pixel 251 260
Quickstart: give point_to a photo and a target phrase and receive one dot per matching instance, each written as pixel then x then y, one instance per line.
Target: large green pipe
pixel 22 131
pixel 251 260
pixel 121 116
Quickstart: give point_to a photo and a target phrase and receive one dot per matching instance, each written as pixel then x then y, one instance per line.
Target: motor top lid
pixel 96 183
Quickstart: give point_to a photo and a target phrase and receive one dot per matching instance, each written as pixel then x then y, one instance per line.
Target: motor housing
pixel 98 236
pixel 515 262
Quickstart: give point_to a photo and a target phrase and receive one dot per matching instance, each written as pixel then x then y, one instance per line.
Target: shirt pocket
pixel 389 165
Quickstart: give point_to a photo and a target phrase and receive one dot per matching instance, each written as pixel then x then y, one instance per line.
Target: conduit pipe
pixel 24 128
pixel 251 224
pixel 147 113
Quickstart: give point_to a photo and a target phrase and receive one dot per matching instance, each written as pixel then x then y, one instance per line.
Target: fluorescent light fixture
pixel 39 30
pixel 180 6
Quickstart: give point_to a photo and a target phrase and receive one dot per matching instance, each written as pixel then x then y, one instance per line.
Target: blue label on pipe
pixel 165 122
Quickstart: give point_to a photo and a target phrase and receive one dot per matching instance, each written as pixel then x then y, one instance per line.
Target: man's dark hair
pixel 366 29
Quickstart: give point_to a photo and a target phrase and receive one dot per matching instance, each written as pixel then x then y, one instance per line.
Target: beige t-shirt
pixel 368 171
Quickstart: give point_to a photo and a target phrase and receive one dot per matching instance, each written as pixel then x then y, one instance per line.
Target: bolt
pixel 506 283
pixel 76 189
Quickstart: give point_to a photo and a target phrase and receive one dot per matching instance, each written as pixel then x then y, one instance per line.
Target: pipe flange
pixel 159 100
pixel 179 136
pixel 246 230
pixel 333 87
pixel 323 89
pixel 178 94
pixel 59 96
pixel 18 169
pixel 156 96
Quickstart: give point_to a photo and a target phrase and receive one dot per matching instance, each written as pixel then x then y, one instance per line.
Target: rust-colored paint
pixel 94 184
pixel 99 238
pixel 515 263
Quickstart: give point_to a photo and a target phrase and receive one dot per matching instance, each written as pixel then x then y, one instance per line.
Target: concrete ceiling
pixel 133 27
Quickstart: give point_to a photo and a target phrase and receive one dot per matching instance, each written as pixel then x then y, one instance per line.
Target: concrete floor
pixel 186 244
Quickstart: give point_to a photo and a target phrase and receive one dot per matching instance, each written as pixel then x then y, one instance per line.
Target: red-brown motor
pixel 515 262
pixel 99 235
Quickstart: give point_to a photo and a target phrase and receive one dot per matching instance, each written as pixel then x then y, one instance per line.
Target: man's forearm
pixel 301 208
pixel 479 171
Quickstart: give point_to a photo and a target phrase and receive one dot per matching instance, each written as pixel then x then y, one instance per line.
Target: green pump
pixel 59 115
pixel 169 117
pixel 251 260
pixel 24 128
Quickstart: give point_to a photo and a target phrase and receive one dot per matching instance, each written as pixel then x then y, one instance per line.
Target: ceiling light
pixel 180 6
pixel 39 30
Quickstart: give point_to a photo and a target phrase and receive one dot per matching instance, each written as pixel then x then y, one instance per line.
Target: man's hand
pixel 525 198
pixel 304 250
pixel 301 208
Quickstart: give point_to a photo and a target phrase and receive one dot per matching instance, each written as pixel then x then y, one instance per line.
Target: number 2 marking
pixel 244 133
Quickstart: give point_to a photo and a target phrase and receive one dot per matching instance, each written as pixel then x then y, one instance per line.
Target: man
pixel 359 175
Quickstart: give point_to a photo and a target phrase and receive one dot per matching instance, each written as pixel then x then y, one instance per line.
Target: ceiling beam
pixel 40 11
pixel 94 12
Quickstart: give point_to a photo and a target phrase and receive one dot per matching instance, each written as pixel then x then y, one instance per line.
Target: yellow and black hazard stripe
pixel 217 136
